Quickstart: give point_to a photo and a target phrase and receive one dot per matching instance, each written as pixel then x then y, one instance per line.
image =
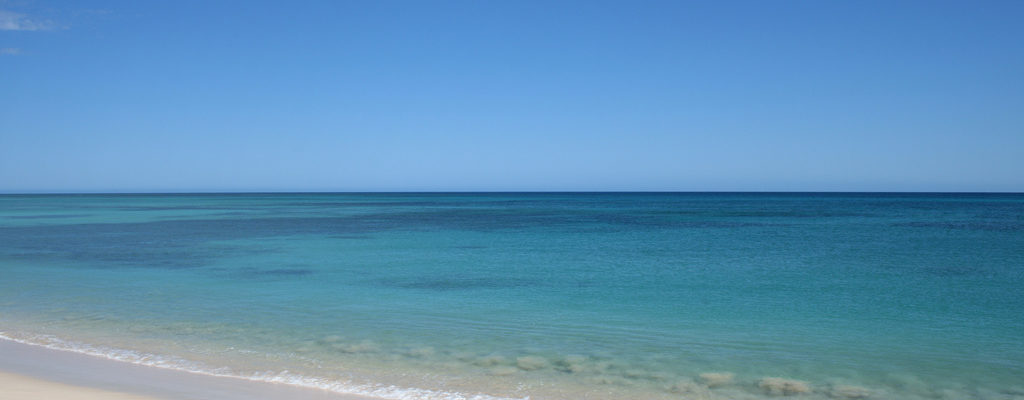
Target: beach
pixel 18 387
pixel 33 372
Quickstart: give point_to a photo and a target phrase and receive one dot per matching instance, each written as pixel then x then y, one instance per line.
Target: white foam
pixel 380 391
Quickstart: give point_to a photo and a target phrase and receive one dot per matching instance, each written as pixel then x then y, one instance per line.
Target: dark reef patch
pixel 449 284
pixel 992 226
pixel 47 216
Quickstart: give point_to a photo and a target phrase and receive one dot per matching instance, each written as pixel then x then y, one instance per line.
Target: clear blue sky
pixel 511 95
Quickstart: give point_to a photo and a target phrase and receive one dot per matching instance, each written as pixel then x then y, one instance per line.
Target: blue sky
pixel 511 95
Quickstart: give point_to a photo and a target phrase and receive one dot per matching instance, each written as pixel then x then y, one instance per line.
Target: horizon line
pixel 4 193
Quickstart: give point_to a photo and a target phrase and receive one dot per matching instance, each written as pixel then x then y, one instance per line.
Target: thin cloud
pixel 9 51
pixel 12 21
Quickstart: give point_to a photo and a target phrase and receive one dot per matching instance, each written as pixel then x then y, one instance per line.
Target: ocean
pixel 534 295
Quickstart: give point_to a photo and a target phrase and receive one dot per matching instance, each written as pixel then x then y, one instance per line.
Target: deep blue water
pixel 546 295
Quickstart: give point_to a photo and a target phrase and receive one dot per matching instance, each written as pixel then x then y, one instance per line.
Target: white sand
pixel 19 387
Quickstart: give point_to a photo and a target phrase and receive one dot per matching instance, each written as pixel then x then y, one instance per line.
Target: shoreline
pixel 30 371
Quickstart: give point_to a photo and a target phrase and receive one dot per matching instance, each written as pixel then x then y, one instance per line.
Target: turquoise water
pixel 546 296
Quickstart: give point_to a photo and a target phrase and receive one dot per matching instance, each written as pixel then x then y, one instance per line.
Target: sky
pixel 497 95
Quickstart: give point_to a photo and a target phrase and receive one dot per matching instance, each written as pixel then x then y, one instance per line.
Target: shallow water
pixel 547 296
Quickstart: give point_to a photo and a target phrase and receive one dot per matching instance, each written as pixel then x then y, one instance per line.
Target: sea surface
pixel 534 295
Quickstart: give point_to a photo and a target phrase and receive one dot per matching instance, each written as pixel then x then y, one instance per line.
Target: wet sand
pixel 33 372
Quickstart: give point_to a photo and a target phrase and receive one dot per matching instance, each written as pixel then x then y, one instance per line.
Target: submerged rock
pixel 606 380
pixel 716 379
pixel 849 392
pixel 686 387
pixel 421 352
pixel 572 364
pixel 530 363
pixel 490 360
pixel 365 346
pixel 503 371
pixel 784 387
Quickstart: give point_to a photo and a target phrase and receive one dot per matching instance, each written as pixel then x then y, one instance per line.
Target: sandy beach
pixel 19 387
pixel 33 372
